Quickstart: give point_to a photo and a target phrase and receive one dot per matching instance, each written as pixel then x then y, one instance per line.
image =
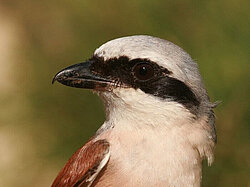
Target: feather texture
pixel 84 166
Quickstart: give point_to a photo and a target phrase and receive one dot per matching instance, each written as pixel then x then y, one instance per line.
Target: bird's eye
pixel 143 71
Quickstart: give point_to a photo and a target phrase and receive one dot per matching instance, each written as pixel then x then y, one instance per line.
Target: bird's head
pixel 144 77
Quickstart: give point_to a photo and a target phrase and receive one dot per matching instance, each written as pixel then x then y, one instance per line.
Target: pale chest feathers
pixel 152 157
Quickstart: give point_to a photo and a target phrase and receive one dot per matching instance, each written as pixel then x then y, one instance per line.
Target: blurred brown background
pixel 41 124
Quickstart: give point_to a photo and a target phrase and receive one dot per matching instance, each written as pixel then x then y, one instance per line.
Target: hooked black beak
pixel 81 76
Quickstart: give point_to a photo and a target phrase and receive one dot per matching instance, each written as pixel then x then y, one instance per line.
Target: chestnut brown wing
pixel 84 166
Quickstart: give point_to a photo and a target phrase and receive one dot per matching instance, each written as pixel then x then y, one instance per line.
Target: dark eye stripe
pixel 157 83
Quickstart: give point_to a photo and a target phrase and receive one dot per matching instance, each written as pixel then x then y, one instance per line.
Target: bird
pixel 159 125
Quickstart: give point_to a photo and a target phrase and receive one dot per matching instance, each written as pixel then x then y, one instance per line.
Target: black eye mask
pixel 145 75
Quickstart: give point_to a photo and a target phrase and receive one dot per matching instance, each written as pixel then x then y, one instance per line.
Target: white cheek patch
pixel 141 108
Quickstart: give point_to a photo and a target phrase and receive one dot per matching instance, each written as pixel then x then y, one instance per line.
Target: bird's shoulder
pixel 85 165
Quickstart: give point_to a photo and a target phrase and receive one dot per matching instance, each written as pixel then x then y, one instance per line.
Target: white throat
pixel 150 135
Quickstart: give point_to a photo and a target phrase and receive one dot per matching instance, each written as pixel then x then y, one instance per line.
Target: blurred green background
pixel 41 124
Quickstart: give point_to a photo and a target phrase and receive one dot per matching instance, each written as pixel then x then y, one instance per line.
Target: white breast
pixel 148 157
pixel 152 143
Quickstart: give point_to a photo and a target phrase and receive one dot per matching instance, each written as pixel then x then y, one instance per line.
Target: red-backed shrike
pixel 159 120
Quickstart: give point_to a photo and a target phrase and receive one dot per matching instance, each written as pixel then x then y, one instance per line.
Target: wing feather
pixel 84 166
